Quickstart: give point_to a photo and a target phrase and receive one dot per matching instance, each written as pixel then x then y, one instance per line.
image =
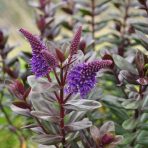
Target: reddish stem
pixel 48 77
pixel 62 110
pixel 60 99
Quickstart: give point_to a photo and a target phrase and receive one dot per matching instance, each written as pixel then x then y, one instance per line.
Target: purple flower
pixel 82 78
pixel 39 65
pixel 75 41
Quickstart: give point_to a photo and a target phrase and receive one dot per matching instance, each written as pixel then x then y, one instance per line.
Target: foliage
pixel 75 95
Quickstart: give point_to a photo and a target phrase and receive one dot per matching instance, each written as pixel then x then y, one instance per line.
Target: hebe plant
pixel 57 102
pixel 66 104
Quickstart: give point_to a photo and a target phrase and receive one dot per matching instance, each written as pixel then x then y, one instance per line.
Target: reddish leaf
pixel 26 93
pixel 21 104
pixel 60 55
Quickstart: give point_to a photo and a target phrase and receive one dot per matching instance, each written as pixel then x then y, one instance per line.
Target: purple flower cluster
pixel 39 65
pixel 82 78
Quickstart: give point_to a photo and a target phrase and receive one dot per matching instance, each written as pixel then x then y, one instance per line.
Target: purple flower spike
pixel 39 66
pixel 75 42
pixel 82 78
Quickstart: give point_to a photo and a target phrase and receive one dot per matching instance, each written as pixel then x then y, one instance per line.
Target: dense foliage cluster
pixel 84 85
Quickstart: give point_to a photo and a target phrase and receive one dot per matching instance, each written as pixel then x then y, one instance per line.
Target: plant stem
pixel 62 124
pixel 123 30
pixel 62 110
pixel 93 21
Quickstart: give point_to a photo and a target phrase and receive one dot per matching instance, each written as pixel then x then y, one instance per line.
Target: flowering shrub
pixel 50 100
pixel 85 91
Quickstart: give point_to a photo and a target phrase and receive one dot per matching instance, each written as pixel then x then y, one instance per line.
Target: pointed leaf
pixel 45 116
pixel 75 126
pixel 21 111
pixel 131 104
pixel 130 124
pixel 124 64
pixel 38 84
pixel 82 105
pixel 47 139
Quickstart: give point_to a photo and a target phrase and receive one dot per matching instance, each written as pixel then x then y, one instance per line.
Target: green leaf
pixel 124 64
pixel 142 138
pixel 141 28
pixel 128 138
pixel 46 116
pixel 21 111
pixel 143 126
pixel 47 139
pixel 107 127
pixel 73 116
pixel 101 9
pixel 84 10
pixel 113 100
pixel 79 125
pixel 82 105
pixel 143 141
pixel 40 103
pixel 131 104
pixel 142 37
pixel 130 124
pixel 39 84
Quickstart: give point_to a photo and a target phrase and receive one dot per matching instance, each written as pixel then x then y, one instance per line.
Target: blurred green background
pixel 15 14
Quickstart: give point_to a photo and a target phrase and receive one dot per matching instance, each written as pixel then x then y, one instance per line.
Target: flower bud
pixel 75 42
pixel 41 23
pixel 107 139
pixel 82 45
pixel 42 3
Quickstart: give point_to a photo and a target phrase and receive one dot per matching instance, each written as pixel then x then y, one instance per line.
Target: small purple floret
pixel 39 66
pixel 82 78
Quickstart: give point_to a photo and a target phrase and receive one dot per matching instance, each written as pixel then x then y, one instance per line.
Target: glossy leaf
pixel 40 84
pixel 130 124
pixel 47 139
pixel 124 64
pixel 79 125
pixel 82 105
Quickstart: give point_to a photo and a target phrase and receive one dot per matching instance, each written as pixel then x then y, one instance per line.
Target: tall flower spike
pixel 82 78
pixel 39 66
pixel 75 42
